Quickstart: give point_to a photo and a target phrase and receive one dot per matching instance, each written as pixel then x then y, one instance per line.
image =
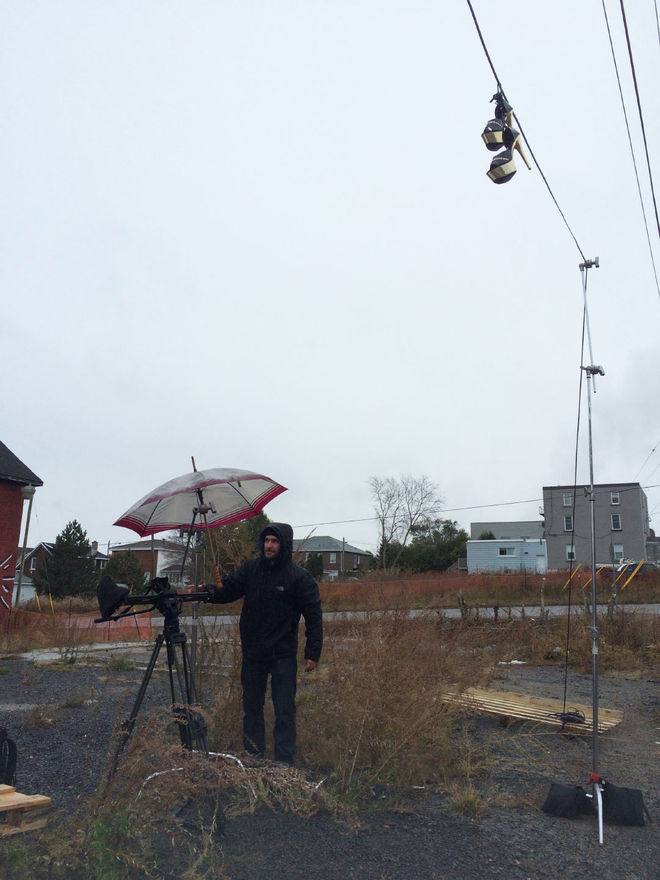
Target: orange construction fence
pixel 126 630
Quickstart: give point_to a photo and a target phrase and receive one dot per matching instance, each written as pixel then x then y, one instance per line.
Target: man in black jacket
pixel 275 592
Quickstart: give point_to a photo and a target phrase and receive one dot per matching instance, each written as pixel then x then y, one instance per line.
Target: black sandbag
pixel 623 806
pixel 7 759
pixel 567 801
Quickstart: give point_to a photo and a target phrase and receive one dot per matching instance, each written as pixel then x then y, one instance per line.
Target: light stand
pixel 591 372
pixel 201 510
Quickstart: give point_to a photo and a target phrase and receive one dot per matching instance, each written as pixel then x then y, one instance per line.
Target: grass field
pixel 377 697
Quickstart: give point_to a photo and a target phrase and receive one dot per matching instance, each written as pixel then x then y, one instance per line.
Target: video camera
pixel 160 596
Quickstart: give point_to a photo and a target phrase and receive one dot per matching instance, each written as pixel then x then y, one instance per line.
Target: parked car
pixel 624 569
pixel 630 565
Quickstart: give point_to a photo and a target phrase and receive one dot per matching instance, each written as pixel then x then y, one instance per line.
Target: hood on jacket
pixel 284 533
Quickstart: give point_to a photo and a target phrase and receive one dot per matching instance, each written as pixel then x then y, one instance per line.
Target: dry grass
pixel 375 716
pixel 371 718
pixel 24 630
pixel 488 590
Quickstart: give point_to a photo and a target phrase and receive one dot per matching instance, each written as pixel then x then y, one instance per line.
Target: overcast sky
pixel 261 234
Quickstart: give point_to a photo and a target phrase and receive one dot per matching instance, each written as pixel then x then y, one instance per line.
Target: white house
pixel 507 554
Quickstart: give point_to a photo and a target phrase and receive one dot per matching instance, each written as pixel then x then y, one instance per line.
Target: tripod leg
pixel 192 727
pixel 197 723
pixel 127 726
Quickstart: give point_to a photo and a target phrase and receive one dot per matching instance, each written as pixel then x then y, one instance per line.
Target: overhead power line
pixel 632 150
pixel 520 128
pixel 641 115
pixel 341 522
pixel 647 458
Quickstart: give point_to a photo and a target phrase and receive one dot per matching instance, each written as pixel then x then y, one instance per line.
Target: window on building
pixel 333 559
pixel 616 522
pixel 507 551
pixel 568 523
pixel 568 499
pixel 614 498
pixel 33 564
pixel 356 560
pixel 570 552
pixel 617 552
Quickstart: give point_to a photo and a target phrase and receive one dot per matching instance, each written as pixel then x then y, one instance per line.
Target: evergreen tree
pixel 124 568
pixel 69 570
pixel 435 546
pixel 314 565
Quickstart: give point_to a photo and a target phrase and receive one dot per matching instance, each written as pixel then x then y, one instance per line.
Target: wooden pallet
pixel 21 812
pixel 521 707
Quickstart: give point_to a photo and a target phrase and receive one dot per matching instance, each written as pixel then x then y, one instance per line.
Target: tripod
pixel 192 727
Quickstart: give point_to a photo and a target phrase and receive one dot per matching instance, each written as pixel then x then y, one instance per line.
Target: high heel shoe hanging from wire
pixel 499 133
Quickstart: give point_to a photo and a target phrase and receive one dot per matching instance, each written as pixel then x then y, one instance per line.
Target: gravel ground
pixel 423 839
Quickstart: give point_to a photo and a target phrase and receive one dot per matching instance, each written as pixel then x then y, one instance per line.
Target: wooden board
pixel 21 812
pixel 521 707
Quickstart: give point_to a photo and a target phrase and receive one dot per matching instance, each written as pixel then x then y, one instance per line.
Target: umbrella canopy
pixel 219 495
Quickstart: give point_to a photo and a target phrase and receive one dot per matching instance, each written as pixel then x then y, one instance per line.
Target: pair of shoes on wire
pixel 499 133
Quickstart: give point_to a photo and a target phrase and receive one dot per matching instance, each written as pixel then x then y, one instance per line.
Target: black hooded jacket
pixel 275 595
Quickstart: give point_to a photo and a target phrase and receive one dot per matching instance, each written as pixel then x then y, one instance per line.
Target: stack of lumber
pixel 21 812
pixel 521 707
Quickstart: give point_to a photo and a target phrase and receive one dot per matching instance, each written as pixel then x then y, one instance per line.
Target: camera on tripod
pixel 115 602
pixel 159 597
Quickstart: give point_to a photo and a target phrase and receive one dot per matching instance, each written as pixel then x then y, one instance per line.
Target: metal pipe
pixel 591 372
pixel 26 492
pixel 594 597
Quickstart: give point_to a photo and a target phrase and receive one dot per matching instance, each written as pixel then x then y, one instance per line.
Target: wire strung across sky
pixel 529 147
pixel 632 150
pixel 341 522
pixel 641 117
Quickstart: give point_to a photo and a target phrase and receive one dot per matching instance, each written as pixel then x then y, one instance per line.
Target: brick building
pixel 338 557
pixel 158 557
pixel 17 482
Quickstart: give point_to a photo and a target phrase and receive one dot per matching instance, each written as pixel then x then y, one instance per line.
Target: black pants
pixel 254 678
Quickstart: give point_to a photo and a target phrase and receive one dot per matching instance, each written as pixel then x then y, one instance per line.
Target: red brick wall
pixel 11 512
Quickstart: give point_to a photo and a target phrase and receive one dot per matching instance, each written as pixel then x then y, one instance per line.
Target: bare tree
pixel 402 506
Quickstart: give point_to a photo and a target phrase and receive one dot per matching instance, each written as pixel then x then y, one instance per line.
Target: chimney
pixel 95 548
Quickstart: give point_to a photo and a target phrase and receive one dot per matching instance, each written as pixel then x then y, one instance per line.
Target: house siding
pixel 11 512
pixel 632 510
pixel 519 555
pixel 347 558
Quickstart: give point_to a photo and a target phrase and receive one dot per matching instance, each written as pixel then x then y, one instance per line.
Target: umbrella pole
pixel 216 570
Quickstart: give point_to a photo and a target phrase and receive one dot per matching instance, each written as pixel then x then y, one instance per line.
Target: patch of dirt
pixel 63 744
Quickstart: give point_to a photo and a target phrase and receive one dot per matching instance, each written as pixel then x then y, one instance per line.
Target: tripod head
pixel 115 601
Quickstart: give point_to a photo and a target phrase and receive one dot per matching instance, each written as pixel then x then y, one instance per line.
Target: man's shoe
pixel 250 759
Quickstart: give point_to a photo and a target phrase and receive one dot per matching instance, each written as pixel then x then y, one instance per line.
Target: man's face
pixel 271 547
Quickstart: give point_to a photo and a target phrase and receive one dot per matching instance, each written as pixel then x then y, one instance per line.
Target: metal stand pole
pixel 594 596
pixel 592 371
